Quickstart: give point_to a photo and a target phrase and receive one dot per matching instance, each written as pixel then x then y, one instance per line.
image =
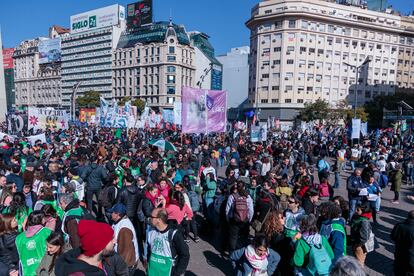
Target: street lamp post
pixel 366 61
pixel 73 104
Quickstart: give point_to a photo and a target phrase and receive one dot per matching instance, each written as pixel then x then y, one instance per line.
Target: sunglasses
pixel 291 202
pixel 154 217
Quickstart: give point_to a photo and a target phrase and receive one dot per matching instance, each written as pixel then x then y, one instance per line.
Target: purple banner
pixel 203 110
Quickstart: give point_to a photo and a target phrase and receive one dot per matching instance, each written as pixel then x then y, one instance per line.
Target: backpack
pixel 194 202
pixel 319 260
pixel 383 180
pixel 240 210
pixel 324 190
pixel 140 212
pixel 103 197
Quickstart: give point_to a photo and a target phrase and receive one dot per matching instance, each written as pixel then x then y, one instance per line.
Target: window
pixel 171 69
pixel 266 63
pixel 279 25
pixel 288 100
pixel 275 88
pixel 289 88
pixel 276 62
pixel 292 23
pixel 264 100
pixel 305 24
pixel 265 76
pixel 299 100
pixel 302 49
pixel 170 58
pixel 170 79
pixel 265 88
pixel 277 49
pixel 275 100
pixel 171 50
pixel 290 61
pixel 330 29
pixel 276 75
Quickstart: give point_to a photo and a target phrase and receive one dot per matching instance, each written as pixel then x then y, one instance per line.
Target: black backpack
pixel 103 197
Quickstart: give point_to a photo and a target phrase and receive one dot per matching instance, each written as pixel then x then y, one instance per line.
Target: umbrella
pixel 162 144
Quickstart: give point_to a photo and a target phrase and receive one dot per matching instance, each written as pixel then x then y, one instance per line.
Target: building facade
pixel 209 71
pixel 300 50
pixel 236 75
pixel 9 77
pixel 87 52
pixel 153 63
pixel 38 82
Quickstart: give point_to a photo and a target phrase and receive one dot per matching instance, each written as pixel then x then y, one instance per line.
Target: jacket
pixel 244 268
pixel 331 229
pixel 403 236
pixel 129 196
pixel 43 269
pixel 68 263
pixel 360 230
pixel 308 206
pixel 354 183
pixel 396 180
pixel 8 251
pixel 302 249
pixel 94 174
pixel 18 180
pixel 70 226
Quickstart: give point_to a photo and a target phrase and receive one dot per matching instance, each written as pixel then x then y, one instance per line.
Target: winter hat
pixel 94 236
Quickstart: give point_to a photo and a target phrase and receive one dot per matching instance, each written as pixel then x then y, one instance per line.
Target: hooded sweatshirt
pixel 334 231
pixel 302 250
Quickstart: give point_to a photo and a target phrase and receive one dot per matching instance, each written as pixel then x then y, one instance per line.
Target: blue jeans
pixel 209 208
pixel 352 206
pixel 353 165
pixel 336 184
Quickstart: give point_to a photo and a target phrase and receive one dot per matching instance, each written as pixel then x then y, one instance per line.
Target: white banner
pixel 364 129
pixel 177 113
pixel 47 118
pixel 356 128
pixel 32 139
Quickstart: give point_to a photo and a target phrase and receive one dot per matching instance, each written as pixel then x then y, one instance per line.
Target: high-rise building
pixel 301 51
pixel 209 71
pixel 236 75
pixel 37 64
pixel 87 52
pixel 153 63
pixel 9 76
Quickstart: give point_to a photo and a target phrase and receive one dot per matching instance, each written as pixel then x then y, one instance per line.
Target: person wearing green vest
pixel 168 253
pixel 121 170
pixel 31 244
pixel 19 208
pixel 333 228
pixel 73 213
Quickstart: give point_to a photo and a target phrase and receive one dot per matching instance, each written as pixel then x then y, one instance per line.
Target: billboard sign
pixel 99 18
pixel 139 14
pixel 8 58
pixel 216 77
pixel 49 50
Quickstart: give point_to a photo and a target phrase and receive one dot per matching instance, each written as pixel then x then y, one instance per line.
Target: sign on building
pixel 96 19
pixel 8 58
pixel 49 50
pixel 139 14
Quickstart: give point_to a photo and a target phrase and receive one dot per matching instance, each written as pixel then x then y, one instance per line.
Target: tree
pixel 122 101
pixel 140 104
pixel 89 99
pixel 318 110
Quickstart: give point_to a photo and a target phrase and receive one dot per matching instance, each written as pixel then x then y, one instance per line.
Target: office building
pixel 209 71
pixel 236 75
pixel 153 63
pixel 37 64
pixel 87 52
pixel 300 50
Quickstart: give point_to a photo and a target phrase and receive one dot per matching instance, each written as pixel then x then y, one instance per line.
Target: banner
pixel 104 111
pixel 32 139
pixel 2 135
pixel 364 129
pixel 49 50
pixel 47 118
pixel 16 123
pixel 139 14
pixel 356 128
pixel 86 114
pixel 177 113
pixel 168 116
pixel 203 110
pixel 8 58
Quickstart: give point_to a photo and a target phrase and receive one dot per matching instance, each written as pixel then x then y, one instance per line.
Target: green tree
pixel 318 110
pixel 140 104
pixel 89 99
pixel 122 101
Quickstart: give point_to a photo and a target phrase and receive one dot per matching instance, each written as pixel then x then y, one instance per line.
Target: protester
pixel 9 258
pixel 55 246
pixel 361 231
pixel 255 259
pixel 403 236
pixel 347 266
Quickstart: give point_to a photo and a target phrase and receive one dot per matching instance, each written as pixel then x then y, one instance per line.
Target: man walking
pixel 403 236
pixel 354 185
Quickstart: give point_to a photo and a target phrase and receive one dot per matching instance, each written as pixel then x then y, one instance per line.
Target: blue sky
pixel 223 20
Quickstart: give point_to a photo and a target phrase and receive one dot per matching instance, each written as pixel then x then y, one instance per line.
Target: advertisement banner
pixel 8 58
pixel 139 14
pixel 168 116
pixel 49 50
pixel 47 118
pixel 177 113
pixel 356 128
pixel 203 110
pixel 95 19
pixel 86 115
pixel 16 123
pixel 364 129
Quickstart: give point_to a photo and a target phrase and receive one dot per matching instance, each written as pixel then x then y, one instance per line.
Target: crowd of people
pixel 102 201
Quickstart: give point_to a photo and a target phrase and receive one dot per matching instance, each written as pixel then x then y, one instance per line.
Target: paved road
pixel 206 260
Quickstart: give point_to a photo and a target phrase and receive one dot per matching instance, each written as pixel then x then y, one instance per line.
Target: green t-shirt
pixel 31 250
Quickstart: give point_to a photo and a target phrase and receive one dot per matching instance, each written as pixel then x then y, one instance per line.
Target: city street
pixel 206 260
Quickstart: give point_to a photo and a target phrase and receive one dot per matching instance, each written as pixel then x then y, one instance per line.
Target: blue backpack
pixel 194 202
pixel 319 260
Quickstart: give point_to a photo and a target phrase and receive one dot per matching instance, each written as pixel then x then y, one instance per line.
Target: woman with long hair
pixel 19 209
pixel 9 258
pixel 7 195
pixel 55 246
pixel 255 259
pixel 178 210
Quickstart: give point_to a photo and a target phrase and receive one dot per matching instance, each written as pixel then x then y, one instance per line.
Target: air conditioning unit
pixel 273 66
pixel 286 78
pixel 274 40
pixel 262 67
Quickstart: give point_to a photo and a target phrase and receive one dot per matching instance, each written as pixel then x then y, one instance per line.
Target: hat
pixel 118 208
pixel 94 236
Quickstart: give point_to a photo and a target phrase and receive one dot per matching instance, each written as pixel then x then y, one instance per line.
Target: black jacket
pixel 129 196
pixel 403 236
pixel 8 251
pixel 94 175
pixel 147 207
pixel 68 263
pixel 308 206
